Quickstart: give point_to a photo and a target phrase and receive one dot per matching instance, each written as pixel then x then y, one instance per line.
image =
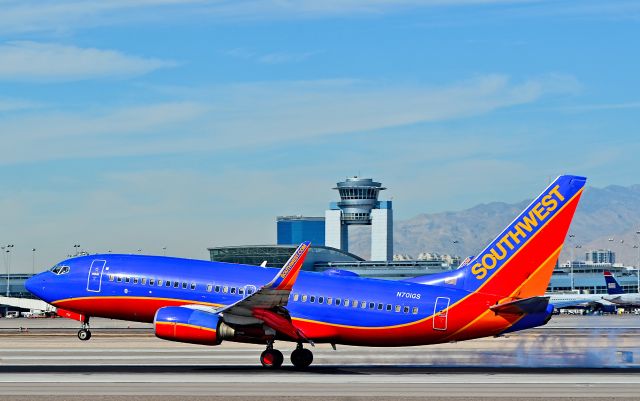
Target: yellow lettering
pixel 528 221
pixel 505 240
pixel 502 255
pixel 557 193
pixel 490 257
pixel 550 203
pixel 479 271
pixel 518 233
pixel 537 210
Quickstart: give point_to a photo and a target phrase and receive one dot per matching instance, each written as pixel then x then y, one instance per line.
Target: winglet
pixel 287 275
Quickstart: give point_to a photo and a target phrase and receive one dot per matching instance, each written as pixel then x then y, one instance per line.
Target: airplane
pixel 617 295
pixel 568 300
pixel 501 290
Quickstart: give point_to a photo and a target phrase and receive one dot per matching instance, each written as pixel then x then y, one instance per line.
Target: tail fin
pixel 613 287
pixel 520 260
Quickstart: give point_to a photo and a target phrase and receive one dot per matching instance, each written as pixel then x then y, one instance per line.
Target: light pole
pixel 164 251
pixel 571 263
pixel 8 263
pixel 637 245
pixel 33 261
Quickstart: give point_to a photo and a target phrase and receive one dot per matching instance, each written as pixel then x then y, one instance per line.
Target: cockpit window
pixel 60 269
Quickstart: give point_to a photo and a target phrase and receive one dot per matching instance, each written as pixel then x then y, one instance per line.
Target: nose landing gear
pixel 84 333
pixel 301 357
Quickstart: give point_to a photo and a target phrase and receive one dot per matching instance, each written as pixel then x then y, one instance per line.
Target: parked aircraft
pixel 500 290
pixel 617 295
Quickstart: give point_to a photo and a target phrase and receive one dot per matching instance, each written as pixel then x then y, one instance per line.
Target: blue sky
pixel 141 124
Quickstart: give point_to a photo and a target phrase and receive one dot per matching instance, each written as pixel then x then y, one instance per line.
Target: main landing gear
pixel 84 333
pixel 301 357
pixel 272 358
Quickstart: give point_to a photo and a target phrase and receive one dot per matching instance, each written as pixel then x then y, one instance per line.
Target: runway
pixel 564 360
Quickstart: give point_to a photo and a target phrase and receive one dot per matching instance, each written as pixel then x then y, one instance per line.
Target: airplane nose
pixel 34 284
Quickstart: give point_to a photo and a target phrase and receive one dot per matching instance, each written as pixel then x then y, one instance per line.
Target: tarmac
pixel 573 357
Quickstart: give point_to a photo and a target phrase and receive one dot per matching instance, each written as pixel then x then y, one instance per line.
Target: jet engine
pixel 177 323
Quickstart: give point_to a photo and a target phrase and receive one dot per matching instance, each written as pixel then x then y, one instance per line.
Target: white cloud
pixel 31 61
pixel 252 115
pixel 270 58
pixel 15 104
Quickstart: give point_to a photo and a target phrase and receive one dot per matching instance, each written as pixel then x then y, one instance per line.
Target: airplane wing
pixel 268 303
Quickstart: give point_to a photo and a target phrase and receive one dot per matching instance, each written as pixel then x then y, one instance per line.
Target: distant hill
pixel 603 213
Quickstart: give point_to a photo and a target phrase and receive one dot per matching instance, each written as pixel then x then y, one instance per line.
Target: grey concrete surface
pixel 592 358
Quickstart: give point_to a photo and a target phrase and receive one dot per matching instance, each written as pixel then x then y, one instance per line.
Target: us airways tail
pixel 613 287
pixel 519 262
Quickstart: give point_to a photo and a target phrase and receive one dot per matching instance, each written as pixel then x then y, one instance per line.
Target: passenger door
pixel 94 281
pixel 441 313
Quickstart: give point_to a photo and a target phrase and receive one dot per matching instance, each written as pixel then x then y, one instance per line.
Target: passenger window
pixel 217 288
pixel 296 297
pixel 354 303
pixel 135 280
pixel 346 302
pixel 414 310
pixel 209 287
pixel 372 305
pixel 111 277
pixel 397 308
pixel 143 280
pixel 240 291
pixel 233 290
pixel 127 279
pixel 184 285
pixel 119 279
pixel 312 298
pixel 167 283
pixel 363 304
pixel 193 286
pixel 225 289
pixel 338 301
pixel 405 309
pixel 304 298
pixel 176 284
pixel 320 300
pixel 329 301
pixel 160 282
pixel 152 281
pixel 379 306
pixel 388 307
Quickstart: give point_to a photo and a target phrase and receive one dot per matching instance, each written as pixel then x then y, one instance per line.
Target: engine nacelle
pixel 176 323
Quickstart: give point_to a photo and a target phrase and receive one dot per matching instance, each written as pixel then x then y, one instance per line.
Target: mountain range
pixel 606 218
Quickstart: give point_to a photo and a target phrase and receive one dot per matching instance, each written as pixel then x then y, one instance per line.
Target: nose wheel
pixel 301 357
pixel 84 334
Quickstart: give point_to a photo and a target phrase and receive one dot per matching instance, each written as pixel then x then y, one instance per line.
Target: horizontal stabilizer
pixel 522 306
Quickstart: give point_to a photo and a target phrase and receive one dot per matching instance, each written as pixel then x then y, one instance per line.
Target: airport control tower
pixel 359 205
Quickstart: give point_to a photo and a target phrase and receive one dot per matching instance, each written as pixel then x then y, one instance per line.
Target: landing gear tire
pixel 84 334
pixel 271 358
pixel 301 358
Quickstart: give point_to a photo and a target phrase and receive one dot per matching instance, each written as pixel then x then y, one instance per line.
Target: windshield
pixel 60 269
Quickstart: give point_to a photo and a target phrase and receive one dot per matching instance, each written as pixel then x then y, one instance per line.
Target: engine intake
pixel 176 323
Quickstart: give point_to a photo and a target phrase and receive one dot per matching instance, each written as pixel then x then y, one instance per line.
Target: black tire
pixel 84 334
pixel 301 358
pixel 271 359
